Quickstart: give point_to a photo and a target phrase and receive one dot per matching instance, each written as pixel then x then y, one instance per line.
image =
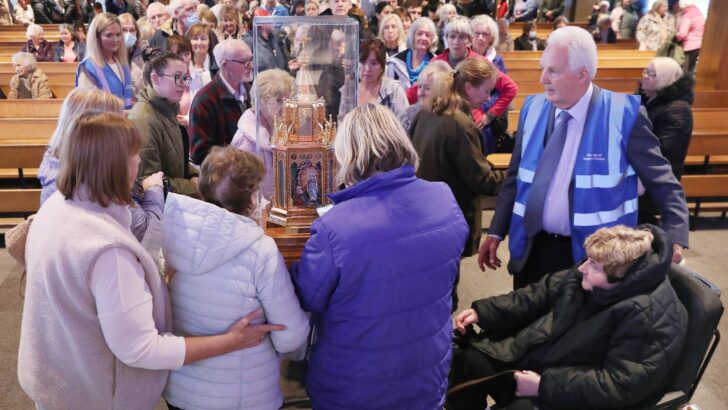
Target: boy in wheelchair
pixel 603 334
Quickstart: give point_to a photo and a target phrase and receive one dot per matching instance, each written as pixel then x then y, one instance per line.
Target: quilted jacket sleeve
pixel 517 309
pixel 642 351
pixel 315 276
pixel 280 304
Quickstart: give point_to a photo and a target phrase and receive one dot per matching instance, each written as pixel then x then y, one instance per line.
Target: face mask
pixel 129 40
pixel 192 19
pixel 531 34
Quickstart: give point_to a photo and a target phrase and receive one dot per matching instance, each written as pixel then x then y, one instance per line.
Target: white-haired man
pixel 217 107
pixel 157 14
pixel 579 153
pixel 185 16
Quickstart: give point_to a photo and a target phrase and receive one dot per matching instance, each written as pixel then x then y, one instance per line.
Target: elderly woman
pixel 165 145
pixel 97 312
pixel 601 9
pixel 37 45
pixel 374 86
pixel 667 94
pixel 391 32
pixel 270 89
pixel 425 84
pixel 528 40
pixel 690 32
pixel 460 34
pixel 604 33
pixel 505 40
pixel 363 297
pixel 68 49
pixel 603 334
pixel 485 40
pixel 106 65
pixel 448 141
pixel 655 28
pixel 445 13
pixel 240 270
pixel 23 13
pixel 407 65
pixel 29 82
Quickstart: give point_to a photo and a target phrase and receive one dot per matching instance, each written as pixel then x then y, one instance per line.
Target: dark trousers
pixel 469 364
pixel 691 60
pixel 549 253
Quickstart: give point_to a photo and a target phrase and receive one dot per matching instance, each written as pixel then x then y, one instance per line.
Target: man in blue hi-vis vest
pixel 578 156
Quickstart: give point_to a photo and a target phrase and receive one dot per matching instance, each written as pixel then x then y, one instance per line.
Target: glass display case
pixel 304 82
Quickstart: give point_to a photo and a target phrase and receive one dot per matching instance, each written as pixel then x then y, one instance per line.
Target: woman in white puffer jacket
pixel 226 267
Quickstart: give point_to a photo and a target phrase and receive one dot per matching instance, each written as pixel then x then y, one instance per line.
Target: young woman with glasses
pixel 165 142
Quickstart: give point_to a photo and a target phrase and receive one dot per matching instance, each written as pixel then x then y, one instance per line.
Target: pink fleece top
pixel 690 30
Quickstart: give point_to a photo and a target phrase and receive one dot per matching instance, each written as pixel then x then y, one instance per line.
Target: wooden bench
pixel 21 157
pixel 601 54
pixel 30 108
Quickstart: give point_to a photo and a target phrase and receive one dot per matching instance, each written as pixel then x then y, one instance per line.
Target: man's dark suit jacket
pixel 643 153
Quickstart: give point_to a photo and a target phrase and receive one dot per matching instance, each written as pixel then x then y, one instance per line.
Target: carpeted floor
pixel 707 256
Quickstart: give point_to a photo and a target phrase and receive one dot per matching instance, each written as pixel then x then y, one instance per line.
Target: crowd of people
pixel 149 275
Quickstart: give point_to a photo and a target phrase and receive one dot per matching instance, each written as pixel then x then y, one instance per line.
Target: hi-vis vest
pixel 107 80
pixel 603 185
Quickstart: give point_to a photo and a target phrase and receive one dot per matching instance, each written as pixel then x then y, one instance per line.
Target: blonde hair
pixel 474 71
pixel 25 59
pixel 442 99
pixel 443 10
pixel 459 25
pixel 371 140
pixel 656 6
pixel 146 30
pixel 398 21
pixel 271 84
pixel 78 101
pixel 93 42
pixel 616 248
pixel 668 71
pixel 96 156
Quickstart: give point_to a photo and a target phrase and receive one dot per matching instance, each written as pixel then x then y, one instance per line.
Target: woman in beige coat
pixel 29 82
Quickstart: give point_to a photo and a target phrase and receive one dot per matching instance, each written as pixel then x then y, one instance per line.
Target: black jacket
pixel 616 357
pixel 522 43
pixel 78 48
pixel 672 123
pixel 450 151
pixel 49 12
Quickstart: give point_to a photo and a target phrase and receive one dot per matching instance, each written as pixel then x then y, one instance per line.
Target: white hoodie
pixel 226 268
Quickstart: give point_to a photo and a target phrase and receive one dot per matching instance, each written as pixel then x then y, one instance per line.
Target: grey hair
pixel 490 25
pixel 224 48
pixel 445 9
pixel 581 47
pixel 32 30
pixel 174 5
pixel 422 22
pixel 371 140
pixel 397 21
pixel 458 24
pixel 668 71
pixel 25 60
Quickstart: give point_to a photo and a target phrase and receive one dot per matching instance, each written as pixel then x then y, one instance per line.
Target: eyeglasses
pixel 648 73
pixel 244 63
pixel 182 80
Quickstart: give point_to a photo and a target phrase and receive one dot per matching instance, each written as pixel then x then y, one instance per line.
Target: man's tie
pixel 533 217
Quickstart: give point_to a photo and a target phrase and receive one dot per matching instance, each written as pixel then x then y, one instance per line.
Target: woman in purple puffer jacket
pixel 377 275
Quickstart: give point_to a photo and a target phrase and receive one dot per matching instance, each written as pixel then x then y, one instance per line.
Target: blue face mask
pixel 129 40
pixel 192 19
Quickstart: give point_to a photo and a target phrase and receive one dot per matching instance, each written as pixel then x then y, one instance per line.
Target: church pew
pixel 534 74
pixel 53 78
pixel 30 108
pixel 59 91
pixel 19 28
pixel 24 161
pixel 49 67
pixel 612 62
pixel 25 129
